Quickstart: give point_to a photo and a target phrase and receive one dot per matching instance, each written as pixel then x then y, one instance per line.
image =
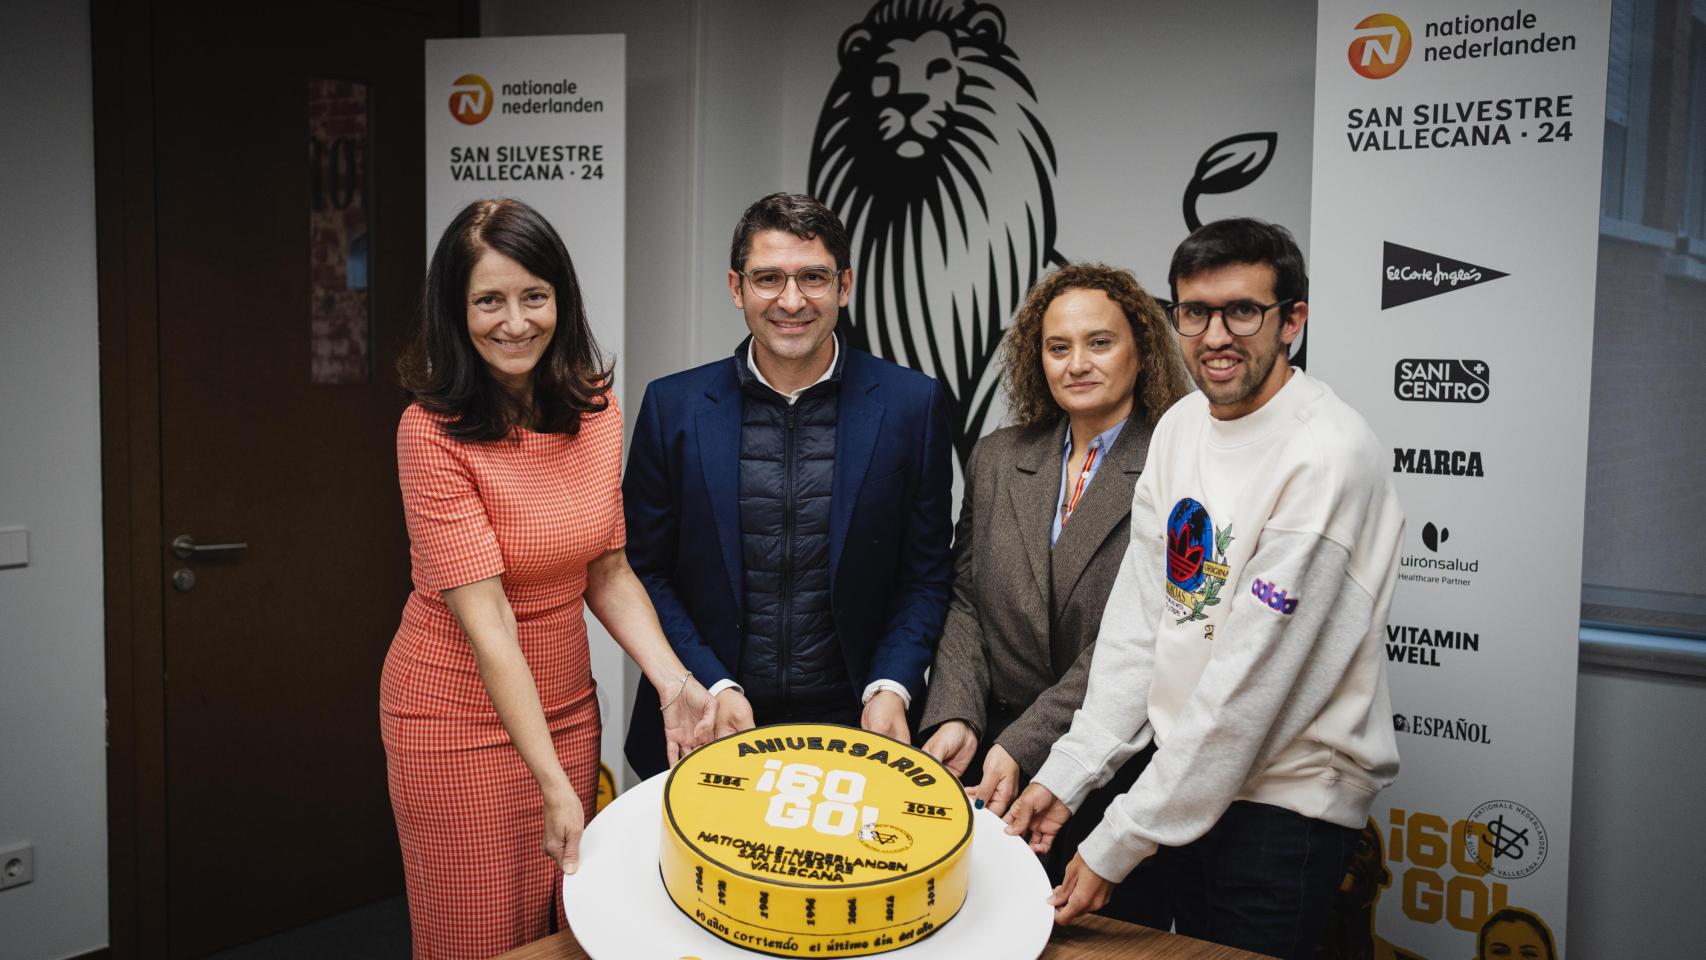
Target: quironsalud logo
pixel 1196 561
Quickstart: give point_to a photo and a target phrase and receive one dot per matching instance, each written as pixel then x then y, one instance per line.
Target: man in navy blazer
pixel 788 507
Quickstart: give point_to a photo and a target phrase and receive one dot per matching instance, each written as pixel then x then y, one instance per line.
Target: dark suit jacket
pixel 1015 654
pixel 888 538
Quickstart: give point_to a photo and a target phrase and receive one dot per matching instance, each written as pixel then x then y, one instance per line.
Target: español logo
pixel 471 98
pixel 1380 46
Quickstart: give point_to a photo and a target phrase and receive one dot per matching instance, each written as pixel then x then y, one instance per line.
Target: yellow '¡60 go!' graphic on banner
pixel 1443 879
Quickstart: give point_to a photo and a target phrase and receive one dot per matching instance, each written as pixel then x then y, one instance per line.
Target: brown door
pixel 276 810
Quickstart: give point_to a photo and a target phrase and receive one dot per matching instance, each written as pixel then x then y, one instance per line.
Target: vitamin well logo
pixel 470 98
pixel 1380 46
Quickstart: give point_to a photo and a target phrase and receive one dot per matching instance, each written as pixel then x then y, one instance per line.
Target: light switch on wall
pixel 14 547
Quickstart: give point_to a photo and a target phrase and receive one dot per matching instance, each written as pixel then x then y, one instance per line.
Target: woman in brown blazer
pixel 1089 366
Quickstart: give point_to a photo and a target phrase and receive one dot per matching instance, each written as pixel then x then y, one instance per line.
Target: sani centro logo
pixel 1441 380
pixel 470 98
pixel 1380 46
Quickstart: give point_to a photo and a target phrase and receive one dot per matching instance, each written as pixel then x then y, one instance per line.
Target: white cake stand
pixel 618 909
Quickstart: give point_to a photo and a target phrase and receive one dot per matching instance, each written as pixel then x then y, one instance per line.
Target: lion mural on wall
pixel 929 148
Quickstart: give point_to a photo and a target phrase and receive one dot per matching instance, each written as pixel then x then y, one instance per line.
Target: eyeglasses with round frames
pixel 812 282
pixel 1242 317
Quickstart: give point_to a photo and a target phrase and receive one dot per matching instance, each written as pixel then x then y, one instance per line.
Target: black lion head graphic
pixel 929 148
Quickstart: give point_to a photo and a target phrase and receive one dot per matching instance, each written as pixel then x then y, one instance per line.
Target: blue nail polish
pixel 977 805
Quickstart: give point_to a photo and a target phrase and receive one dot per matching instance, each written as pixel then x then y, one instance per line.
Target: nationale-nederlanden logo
pixel 470 98
pixel 1409 275
pixel 1379 46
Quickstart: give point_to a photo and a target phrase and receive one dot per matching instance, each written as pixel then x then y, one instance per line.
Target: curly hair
pixel 1160 380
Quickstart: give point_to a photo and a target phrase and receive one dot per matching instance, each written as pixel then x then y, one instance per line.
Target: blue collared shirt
pixel 1103 442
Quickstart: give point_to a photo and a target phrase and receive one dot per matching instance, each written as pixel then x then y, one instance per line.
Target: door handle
pixel 186 548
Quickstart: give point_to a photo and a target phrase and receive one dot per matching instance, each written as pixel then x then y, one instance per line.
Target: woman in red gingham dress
pixel 510 466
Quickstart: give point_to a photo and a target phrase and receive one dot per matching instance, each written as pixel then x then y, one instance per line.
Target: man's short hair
pixel 1242 240
pixel 800 215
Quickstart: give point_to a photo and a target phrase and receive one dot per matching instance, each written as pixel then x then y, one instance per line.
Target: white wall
pixel 52 673
pixel 1637 846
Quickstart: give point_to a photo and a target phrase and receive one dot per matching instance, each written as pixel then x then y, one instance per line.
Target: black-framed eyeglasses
pixel 1242 317
pixel 813 281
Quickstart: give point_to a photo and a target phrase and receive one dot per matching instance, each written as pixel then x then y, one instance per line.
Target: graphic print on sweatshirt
pixel 1196 561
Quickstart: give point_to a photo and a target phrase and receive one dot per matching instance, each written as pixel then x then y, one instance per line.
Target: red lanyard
pixel 1071 503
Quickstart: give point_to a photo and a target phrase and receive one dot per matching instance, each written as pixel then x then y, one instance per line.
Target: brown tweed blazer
pixel 1015 652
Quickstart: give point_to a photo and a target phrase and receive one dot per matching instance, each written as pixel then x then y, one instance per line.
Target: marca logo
pixel 470 98
pixel 1273 597
pixel 1451 463
pixel 1442 381
pixel 1410 275
pixel 1380 46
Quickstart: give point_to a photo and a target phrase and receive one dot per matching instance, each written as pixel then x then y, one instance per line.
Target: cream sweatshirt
pixel 1243 633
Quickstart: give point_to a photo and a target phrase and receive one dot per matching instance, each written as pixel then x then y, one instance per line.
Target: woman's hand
pixel 1000 781
pixel 564 823
pixel 954 743
pixel 690 721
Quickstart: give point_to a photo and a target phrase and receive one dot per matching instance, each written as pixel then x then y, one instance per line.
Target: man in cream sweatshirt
pixel 1243 632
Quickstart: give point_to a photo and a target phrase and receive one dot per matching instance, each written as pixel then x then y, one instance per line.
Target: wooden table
pixel 1092 938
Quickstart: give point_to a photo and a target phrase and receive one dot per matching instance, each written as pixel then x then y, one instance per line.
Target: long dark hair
pixel 441 369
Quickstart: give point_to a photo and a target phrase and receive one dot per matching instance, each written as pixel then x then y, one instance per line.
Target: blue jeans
pixel 1262 879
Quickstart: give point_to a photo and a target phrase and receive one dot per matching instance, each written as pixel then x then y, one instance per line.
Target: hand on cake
pixel 564 821
pixel 1000 781
pixel 1039 812
pixel 954 743
pixel 1081 891
pixel 885 713
pixel 734 712
pixel 690 722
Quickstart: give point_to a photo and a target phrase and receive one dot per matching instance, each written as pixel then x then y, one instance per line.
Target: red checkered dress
pixel 534 508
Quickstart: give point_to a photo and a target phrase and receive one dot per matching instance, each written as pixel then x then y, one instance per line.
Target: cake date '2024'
pixel 1460 123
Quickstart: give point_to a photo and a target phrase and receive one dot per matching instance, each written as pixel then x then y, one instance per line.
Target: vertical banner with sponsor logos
pixel 1456 186
pixel 542 120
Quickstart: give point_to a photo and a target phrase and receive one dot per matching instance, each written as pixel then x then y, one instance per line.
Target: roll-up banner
pixel 1454 242
pixel 542 120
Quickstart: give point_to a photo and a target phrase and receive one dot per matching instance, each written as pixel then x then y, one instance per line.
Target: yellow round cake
pixel 812 840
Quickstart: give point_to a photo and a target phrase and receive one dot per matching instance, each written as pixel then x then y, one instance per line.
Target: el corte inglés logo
pixel 470 98
pixel 1380 46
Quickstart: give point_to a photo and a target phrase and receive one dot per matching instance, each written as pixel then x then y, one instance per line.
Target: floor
pixel 379 931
